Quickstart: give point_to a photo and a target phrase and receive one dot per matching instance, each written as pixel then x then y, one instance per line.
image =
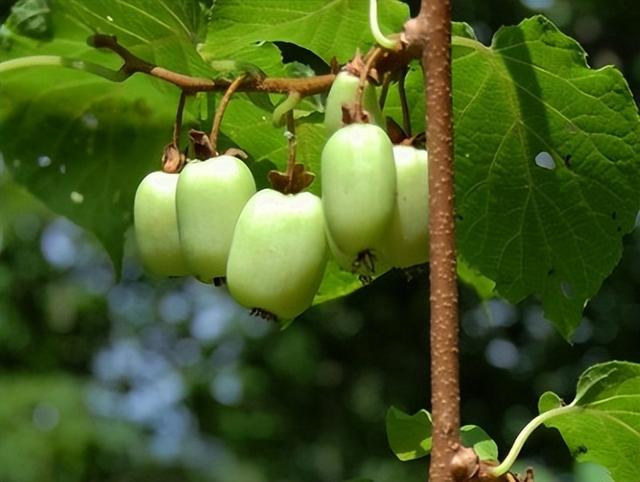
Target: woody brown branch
pixel 388 61
pixel 224 102
pixel 432 28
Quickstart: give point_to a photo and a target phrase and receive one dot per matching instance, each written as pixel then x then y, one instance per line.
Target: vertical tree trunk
pixel 435 18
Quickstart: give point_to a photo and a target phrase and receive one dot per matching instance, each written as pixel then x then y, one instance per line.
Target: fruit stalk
pixel 406 117
pixel 371 59
pixel 173 160
pixel 177 125
pixel 293 145
pixel 224 102
pixel 434 23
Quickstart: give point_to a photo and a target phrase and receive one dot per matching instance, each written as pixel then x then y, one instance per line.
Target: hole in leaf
pixel 44 161
pixel 291 52
pixel 580 450
pixel 76 197
pixel 567 290
pixel 567 160
pixel 545 161
pixel 90 121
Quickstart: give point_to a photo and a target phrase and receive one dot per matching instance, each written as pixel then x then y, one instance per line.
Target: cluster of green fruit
pixel 272 248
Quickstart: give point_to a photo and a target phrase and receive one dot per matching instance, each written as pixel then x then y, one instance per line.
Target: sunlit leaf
pixel 327 29
pixel 547 157
pixel 410 436
pixel 79 142
pixel 551 229
pixel 602 424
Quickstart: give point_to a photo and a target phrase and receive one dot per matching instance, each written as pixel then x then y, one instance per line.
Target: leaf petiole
pixel 525 433
pixel 379 37
pixel 58 61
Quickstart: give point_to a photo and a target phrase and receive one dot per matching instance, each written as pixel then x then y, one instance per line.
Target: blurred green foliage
pixel 168 380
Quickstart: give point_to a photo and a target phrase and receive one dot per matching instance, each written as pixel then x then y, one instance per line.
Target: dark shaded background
pixel 168 380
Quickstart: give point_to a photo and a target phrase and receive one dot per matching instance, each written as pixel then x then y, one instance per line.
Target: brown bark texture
pixel 386 61
pixel 435 21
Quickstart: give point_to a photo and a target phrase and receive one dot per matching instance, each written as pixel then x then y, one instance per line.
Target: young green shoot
pixel 525 433
pixel 379 37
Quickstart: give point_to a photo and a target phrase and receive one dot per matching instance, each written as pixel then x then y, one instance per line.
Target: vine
pixel 217 120
pixel 434 26
pixel 428 37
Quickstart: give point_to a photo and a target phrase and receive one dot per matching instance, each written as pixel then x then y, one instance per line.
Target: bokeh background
pixel 168 380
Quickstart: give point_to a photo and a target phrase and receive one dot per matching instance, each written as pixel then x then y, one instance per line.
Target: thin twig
pixel 177 125
pixel 304 86
pixel 406 117
pixel 173 160
pixel 384 91
pixel 392 60
pixel 293 144
pixel 224 102
pixel 132 64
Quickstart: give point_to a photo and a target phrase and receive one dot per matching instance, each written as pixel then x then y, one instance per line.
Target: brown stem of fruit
pixel 384 91
pixel 371 59
pixel 224 102
pixel 296 178
pixel 293 145
pixel 432 29
pixel 177 125
pixel 133 64
pixel 173 160
pixel 390 60
pixel 406 117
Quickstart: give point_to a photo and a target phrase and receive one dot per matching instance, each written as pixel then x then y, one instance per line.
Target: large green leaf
pixel 602 424
pixel 160 31
pixel 327 28
pixel 79 142
pixel 551 227
pixel 547 164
